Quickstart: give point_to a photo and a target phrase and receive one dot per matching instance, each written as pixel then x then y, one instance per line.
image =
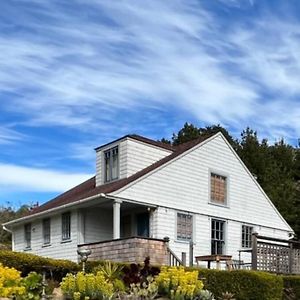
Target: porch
pixel 130 250
pixel 122 231
pixel 108 219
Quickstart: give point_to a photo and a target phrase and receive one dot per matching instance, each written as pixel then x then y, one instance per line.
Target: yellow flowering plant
pixel 10 282
pixel 178 284
pixel 87 286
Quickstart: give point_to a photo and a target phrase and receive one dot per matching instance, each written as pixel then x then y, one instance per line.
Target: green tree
pixel 187 133
pixel 191 132
pixel 7 213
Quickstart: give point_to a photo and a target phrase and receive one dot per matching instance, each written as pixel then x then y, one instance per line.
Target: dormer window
pixel 111 160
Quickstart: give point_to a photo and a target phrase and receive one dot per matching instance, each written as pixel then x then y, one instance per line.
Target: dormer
pixel 126 156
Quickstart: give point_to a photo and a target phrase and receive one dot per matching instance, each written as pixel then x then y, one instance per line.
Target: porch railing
pixel 275 255
pixel 132 250
pixel 173 259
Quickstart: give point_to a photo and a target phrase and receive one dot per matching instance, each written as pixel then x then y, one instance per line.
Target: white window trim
pixel 220 173
pixel 225 232
pixel 46 244
pixel 104 165
pixel 26 248
pixel 241 232
pixel 61 229
pixel 193 227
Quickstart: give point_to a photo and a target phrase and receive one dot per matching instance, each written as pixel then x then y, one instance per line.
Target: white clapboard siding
pixel 98 225
pixel 141 155
pixel 183 185
pixel 57 248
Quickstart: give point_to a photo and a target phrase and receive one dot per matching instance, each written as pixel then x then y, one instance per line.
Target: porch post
pixel 116 219
pixel 254 251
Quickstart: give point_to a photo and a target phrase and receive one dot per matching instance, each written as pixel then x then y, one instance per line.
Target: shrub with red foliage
pixel 135 273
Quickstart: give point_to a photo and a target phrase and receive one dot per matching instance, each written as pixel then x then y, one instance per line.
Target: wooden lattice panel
pixel 296 261
pixel 273 258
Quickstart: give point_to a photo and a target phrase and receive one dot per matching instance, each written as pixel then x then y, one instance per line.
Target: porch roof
pixel 88 188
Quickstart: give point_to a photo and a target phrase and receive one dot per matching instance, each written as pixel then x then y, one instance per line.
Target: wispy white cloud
pixel 9 136
pixel 20 178
pixel 79 69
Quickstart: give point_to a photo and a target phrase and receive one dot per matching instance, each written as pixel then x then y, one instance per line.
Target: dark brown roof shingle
pixel 141 139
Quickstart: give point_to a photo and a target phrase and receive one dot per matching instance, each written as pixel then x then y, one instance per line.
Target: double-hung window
pixel 247 236
pixel 27 235
pixel 217 236
pixel 218 189
pixel 184 227
pixel 46 231
pixel 66 226
pixel 111 160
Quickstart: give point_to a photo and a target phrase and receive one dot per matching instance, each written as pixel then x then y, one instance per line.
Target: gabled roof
pixel 140 139
pixel 88 188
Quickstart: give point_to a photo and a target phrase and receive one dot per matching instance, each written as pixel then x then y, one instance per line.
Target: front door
pixel 142 222
pixel 126 226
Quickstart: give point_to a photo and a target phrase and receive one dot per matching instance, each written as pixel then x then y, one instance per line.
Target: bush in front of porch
pixel 26 263
pixel 291 287
pixel 244 284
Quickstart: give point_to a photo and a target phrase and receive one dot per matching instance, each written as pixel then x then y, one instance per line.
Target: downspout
pixel 6 229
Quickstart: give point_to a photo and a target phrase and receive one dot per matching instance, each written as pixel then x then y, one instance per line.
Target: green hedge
pixel 245 285
pixel 27 263
pixel 291 287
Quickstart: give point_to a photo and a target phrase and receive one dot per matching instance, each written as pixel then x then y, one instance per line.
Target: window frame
pixel 247 243
pixel 108 175
pixel 27 235
pixel 46 231
pixel 66 227
pixel 222 240
pixel 185 238
pixel 227 181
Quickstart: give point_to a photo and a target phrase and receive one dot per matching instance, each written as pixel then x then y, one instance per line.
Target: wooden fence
pixel 275 255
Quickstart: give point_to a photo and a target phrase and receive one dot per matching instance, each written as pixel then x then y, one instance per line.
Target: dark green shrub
pixel 245 285
pixel 26 263
pixel 291 286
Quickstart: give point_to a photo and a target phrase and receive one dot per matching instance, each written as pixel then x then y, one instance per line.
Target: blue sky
pixel 77 74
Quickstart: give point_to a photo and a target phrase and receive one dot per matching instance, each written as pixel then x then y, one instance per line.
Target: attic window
pixel 218 189
pixel 111 160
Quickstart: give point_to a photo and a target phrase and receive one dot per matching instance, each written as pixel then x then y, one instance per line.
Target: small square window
pixel 247 236
pixel 184 227
pixel 218 188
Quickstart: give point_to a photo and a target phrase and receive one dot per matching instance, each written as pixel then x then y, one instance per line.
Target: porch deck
pixel 132 250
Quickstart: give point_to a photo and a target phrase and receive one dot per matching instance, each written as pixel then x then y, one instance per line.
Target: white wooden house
pixel 144 191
